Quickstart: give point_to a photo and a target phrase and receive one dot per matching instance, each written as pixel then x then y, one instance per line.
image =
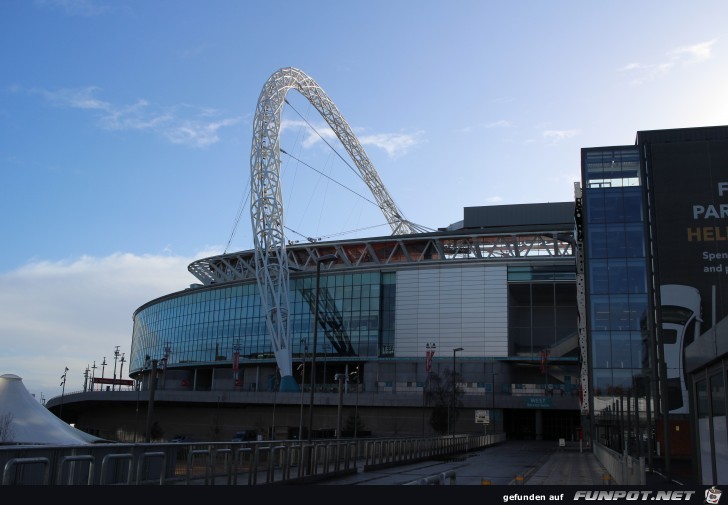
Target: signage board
pixel 482 416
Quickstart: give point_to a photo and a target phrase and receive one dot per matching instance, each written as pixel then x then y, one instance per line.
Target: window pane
pixel 597 242
pixel 614 205
pixel 519 295
pixel 617 276
pixel 598 277
pixel 601 350
pixel 543 294
pixel 701 389
pixel 632 205
pixel 594 204
pixel 717 395
pixel 636 276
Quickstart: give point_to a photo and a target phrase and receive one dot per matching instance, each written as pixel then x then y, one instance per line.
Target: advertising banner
pixel 690 190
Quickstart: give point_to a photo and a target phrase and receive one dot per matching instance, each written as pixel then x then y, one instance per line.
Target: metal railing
pixel 221 463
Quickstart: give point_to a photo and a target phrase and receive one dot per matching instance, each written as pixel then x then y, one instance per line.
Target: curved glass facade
pixel 206 325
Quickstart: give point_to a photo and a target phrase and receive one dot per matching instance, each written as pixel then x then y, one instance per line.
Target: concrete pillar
pixel 539 424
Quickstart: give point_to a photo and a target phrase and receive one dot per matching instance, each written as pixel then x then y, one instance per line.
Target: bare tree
pixel 444 396
pixel 6 428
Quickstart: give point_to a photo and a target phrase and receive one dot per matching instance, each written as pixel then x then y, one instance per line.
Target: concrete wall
pixel 624 469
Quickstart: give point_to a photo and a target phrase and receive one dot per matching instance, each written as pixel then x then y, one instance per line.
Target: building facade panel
pixel 445 322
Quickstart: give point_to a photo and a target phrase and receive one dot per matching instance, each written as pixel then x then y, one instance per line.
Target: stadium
pixel 391 313
pixel 471 327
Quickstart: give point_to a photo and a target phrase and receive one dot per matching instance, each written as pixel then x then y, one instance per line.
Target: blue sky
pixel 125 132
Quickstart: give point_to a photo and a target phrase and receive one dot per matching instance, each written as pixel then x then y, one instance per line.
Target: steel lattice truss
pixel 377 252
pixel 266 208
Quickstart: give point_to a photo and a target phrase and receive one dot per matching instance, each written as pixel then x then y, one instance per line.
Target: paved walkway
pixel 511 463
pixel 568 466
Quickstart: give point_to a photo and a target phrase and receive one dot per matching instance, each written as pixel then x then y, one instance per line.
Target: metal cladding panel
pixel 682 134
pixel 534 215
pixel 455 306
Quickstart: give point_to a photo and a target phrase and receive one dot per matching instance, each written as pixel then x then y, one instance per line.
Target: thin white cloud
pixel 558 135
pixel 696 52
pixel 196 133
pixel 646 73
pixel 181 124
pixel 630 66
pixel 72 313
pixel 394 144
pixel 77 98
pixel 311 137
pixel 683 55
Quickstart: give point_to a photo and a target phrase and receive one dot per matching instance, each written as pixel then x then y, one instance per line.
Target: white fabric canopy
pixel 25 421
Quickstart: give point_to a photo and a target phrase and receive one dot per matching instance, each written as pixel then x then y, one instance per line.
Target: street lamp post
pixel 492 400
pixel 63 391
pixel 302 368
pixel 326 354
pixel 356 412
pixel 103 367
pixel 165 362
pixel 116 357
pixel 93 375
pixel 340 377
pixel 356 407
pixel 121 370
pixel 85 378
pixel 150 402
pixel 451 404
pixel 322 259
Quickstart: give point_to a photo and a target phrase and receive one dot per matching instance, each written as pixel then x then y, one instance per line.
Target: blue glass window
pixel 594 204
pixel 597 242
pixel 632 201
pixel 617 269
pixel 634 241
pixel 601 348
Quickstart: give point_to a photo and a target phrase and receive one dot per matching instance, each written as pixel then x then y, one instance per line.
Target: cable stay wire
pixel 310 239
pixel 332 179
pixel 353 231
pixel 332 149
pixel 356 172
pixel 237 219
pixel 415 226
pixel 326 187
pixel 297 143
pixel 318 239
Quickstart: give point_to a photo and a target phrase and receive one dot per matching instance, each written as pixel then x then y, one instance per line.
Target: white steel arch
pixel 266 203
